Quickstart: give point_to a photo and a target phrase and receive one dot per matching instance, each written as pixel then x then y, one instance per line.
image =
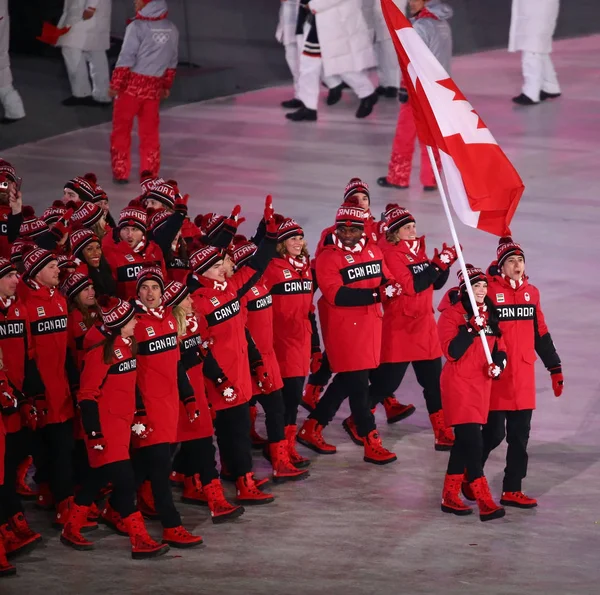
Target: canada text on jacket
pixel 159 345
pixel 293 287
pixel 223 313
pixel 516 312
pixel 358 272
pixel 261 303
pixel 12 329
pixel 45 326
pixel 123 367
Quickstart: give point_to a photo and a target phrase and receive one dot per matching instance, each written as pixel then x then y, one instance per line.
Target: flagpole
pixel 461 259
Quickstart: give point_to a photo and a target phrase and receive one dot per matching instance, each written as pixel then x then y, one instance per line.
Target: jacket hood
pixel 441 10
pixel 154 9
pixel 450 299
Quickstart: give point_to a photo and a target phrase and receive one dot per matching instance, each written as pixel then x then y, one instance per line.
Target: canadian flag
pixel 482 183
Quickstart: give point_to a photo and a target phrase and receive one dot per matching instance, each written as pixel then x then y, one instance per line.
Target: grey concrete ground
pixel 351 528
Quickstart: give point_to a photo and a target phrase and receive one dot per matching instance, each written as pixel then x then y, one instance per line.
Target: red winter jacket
pixel 47 311
pixel 112 386
pixel 77 329
pixel 524 331
pixel 295 332
pixel 349 309
pixel 465 384
pixel 125 263
pixel 189 347
pixel 157 374
pixel 258 307
pixel 409 329
pixel 5 245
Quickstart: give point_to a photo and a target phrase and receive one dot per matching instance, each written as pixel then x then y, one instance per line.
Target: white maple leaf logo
pixel 229 394
pixel 496 371
pixel 138 428
pixel 390 291
pixel 480 321
pixel 444 258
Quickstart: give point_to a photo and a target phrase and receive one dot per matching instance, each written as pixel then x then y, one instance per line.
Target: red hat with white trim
pixel 116 313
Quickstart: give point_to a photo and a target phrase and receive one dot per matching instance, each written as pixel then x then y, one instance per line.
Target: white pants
pixel 388 68
pixel 538 75
pixel 10 99
pixel 292 57
pixel 77 62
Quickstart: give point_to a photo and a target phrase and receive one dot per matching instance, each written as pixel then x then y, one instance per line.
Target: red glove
pixel 140 427
pixel 316 359
pixel 96 441
pixel 28 415
pixel 443 260
pixel 269 217
pixel 181 203
pixel 192 410
pixel 479 321
pixel 60 228
pixel 494 371
pixel 205 346
pixel 390 290
pixel 234 220
pixel 8 402
pixel 557 380
pixel 226 389
pixel 263 379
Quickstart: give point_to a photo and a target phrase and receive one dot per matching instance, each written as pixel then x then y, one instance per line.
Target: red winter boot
pixel 221 510
pixel 488 509
pixel 283 470
pixel 45 500
pixel 444 437
pixel 310 396
pixel 177 479
pixel 257 440
pixel 311 435
pixel 451 501
pixel 180 537
pixel 71 533
pixel 375 452
pixel 22 487
pixel 112 519
pixel 62 515
pixel 193 492
pixel 142 545
pixel 6 569
pixel 248 492
pixel 21 527
pixel 94 513
pixel 395 411
pixel 467 492
pixel 518 500
pixel 296 458
pixel 145 501
pixel 15 544
pixel 350 427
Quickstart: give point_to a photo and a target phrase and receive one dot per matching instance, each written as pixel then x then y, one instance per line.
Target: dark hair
pixel 102 278
pixel 86 312
pixel 108 346
pixel 493 314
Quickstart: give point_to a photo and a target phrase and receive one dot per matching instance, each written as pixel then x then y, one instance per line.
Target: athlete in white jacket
pixel 532 26
pixel 84 50
pixel 9 97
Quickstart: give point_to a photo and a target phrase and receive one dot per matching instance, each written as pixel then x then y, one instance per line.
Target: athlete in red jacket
pixel 196 457
pixel 107 402
pixel 128 250
pixel 513 397
pixel 409 327
pixel 161 383
pixel 352 278
pixel 466 384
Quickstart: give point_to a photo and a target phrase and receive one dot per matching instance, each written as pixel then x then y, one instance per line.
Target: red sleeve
pixel 399 271
pixel 540 320
pixel 329 276
pixel 93 375
pixel 447 330
pixel 119 79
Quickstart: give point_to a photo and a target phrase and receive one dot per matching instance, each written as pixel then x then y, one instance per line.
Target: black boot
pixel 383 181
pixel 303 113
pixel 366 105
pixel 544 95
pixel 335 94
pixel 120 181
pixel 430 188
pixel 390 92
pixel 524 100
pixel 292 104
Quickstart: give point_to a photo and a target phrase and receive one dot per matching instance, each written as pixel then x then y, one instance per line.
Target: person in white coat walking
pixel 84 50
pixel 9 97
pixel 335 41
pixel 286 35
pixel 532 26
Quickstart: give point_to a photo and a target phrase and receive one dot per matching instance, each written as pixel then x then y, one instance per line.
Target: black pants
pixel 154 463
pixel 323 375
pixel 197 456
pixel 121 475
pixel 386 379
pixel 515 425
pixel 232 427
pixel 10 501
pixel 292 395
pixel 81 466
pixel 274 409
pixel 467 451
pixel 355 386
pixel 55 456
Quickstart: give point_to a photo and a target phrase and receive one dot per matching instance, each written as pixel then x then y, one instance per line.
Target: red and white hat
pixel 506 248
pixel 84 186
pixel 243 249
pixel 116 313
pixel 356 185
pixel 203 258
pixel 99 194
pixel 65 262
pixel 54 212
pixel 86 214
pixel 156 218
pixel 174 294
pixel 150 273
pixel 149 182
pixel 133 216
pixel 164 193
pixel 349 214
pixel 31 227
pixel 6 169
pixel 475 276
pixel 35 260
pixel 80 238
pixel 74 283
pixel 19 246
pixel 6 267
pixel 397 217
pixel 288 229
